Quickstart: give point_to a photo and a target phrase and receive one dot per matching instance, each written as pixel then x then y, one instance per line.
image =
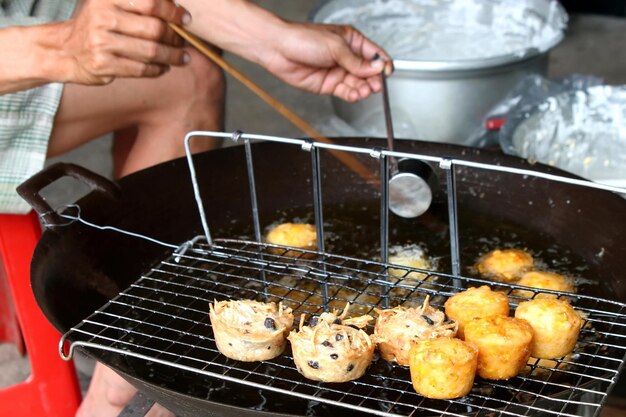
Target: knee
pixel 207 80
pixel 117 391
pixel 197 94
pixel 118 397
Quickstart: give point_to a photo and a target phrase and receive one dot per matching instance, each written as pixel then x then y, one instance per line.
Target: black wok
pixel 76 269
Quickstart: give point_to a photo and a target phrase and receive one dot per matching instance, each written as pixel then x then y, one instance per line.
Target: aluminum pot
pixel 438 99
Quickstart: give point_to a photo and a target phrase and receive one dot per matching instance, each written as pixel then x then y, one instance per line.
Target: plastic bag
pixel 528 93
pixel 576 124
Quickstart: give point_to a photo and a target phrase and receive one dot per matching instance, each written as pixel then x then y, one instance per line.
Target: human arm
pixel 105 39
pixel 324 59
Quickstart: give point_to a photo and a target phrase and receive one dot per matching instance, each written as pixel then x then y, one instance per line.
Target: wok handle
pixel 30 189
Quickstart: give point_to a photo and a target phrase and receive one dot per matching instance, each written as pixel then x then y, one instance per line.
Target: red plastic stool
pixel 52 388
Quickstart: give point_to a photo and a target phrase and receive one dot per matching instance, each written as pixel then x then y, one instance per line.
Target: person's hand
pixel 328 59
pixel 122 38
pixel 323 59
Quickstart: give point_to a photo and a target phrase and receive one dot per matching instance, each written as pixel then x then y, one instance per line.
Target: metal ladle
pixel 410 194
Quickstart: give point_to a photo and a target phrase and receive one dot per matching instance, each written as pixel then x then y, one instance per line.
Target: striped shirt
pixel 26 117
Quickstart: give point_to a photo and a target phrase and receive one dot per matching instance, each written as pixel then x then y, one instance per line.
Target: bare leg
pixel 150 118
pixel 108 395
pixel 123 142
pixel 151 115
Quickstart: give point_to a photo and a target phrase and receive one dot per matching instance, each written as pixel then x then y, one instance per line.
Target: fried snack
pixel 396 327
pixel 249 330
pixel 504 265
pixel 332 348
pixel 297 235
pixel 543 280
pixel 474 303
pixel 411 256
pixel 443 368
pixel 555 325
pixel 504 345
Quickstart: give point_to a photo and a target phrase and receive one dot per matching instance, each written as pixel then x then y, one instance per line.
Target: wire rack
pixel 163 317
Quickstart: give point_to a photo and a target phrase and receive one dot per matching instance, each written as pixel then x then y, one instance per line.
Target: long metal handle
pixel 348 160
pixel 393 163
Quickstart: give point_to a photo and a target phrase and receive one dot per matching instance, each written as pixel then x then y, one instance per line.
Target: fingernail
pixel 378 64
pixel 186 57
pixel 186 18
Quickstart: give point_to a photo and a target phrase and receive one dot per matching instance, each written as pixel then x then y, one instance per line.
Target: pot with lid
pixel 453 60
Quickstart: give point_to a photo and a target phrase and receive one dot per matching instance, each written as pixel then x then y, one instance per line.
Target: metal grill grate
pixel 163 318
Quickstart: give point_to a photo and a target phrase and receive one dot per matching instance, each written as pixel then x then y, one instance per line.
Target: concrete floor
pixel 594 45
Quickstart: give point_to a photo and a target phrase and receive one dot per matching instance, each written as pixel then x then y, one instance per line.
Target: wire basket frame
pixel 447 164
pixel 162 319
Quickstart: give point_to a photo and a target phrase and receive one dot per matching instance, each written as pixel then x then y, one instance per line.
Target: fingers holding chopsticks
pixel 121 38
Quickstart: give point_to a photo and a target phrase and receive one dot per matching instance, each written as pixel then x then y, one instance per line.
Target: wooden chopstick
pixel 347 159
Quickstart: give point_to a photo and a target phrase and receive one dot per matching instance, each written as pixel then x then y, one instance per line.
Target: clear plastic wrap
pixel 527 94
pixel 444 30
pixel 576 124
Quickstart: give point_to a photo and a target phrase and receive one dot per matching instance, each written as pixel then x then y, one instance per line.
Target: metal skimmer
pixel 162 319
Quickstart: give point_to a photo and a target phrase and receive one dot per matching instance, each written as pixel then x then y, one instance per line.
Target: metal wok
pixel 76 269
